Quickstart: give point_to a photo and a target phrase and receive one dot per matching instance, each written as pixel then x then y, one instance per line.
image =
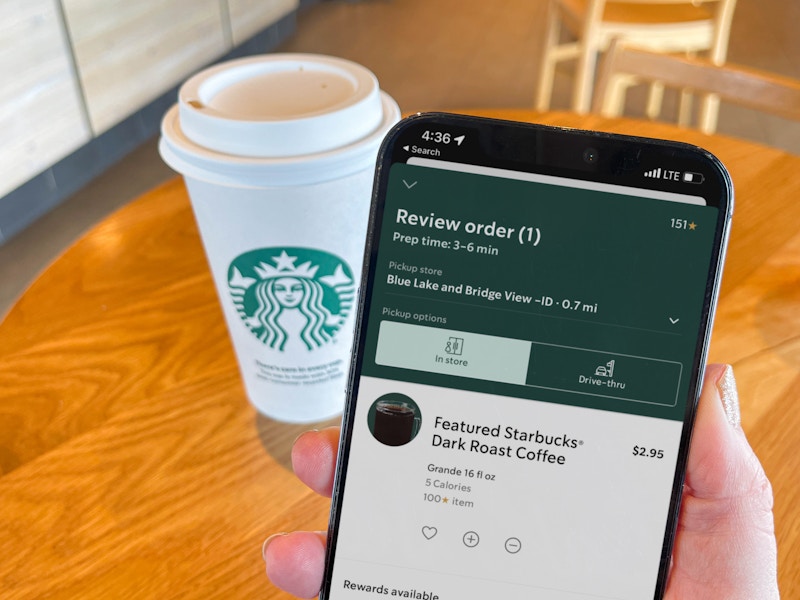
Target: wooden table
pixel 132 466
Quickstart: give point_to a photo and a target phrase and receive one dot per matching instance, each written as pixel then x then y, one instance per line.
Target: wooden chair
pixel 762 91
pixel 686 26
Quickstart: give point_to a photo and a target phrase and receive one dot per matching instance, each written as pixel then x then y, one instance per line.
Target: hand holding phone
pixel 533 323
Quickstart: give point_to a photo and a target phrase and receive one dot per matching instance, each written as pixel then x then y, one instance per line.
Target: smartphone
pixel 534 319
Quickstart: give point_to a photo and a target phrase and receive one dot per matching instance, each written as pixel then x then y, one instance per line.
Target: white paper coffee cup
pixel 278 155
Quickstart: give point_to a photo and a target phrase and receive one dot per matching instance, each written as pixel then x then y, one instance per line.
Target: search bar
pixel 560 181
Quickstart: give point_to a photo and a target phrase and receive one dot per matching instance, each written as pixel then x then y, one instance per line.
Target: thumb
pixel 725 543
pixel 721 464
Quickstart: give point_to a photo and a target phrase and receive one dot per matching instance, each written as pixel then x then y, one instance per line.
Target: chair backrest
pixel 720 14
pixel 722 17
pixel 766 92
pixel 688 26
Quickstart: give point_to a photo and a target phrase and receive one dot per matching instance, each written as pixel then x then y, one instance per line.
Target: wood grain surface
pixel 132 465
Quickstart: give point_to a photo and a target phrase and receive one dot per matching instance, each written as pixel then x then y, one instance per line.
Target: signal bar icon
pixel 654 173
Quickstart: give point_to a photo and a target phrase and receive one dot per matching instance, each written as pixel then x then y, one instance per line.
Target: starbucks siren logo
pixel 286 294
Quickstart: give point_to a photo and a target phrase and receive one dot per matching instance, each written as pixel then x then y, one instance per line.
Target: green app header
pixel 562 294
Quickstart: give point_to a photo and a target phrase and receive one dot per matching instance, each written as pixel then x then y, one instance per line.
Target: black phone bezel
pixel 560 152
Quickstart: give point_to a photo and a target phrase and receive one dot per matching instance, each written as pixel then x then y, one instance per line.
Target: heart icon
pixel 429 532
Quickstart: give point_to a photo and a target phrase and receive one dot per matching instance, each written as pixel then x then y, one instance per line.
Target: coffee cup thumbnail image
pixel 394 419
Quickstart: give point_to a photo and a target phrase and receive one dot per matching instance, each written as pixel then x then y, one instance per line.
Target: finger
pixel 721 463
pixel 725 545
pixel 314 459
pixel 295 562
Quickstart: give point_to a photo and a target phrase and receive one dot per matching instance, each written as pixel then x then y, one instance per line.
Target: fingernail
pixel 302 434
pixel 267 542
pixel 726 385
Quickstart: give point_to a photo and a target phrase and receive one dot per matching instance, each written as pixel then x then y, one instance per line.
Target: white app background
pixel 591 527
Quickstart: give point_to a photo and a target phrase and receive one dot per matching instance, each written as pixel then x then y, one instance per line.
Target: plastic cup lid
pixel 280 105
pixel 196 162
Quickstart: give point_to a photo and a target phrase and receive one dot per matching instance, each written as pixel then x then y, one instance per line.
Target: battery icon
pixel 689 177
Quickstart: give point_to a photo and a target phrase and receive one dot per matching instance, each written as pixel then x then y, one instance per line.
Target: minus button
pixel 513 545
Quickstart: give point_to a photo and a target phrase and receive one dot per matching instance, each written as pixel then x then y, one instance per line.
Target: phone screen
pixel 535 317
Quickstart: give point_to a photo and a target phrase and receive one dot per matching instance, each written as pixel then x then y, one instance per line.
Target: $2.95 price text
pixel 647 452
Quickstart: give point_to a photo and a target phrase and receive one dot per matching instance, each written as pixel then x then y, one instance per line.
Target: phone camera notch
pixel 591 156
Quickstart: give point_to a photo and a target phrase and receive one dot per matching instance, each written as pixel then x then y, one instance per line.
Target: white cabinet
pixel 128 53
pixel 248 17
pixel 41 114
pixel 73 69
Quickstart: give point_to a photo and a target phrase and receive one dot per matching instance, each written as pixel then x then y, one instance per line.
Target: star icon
pixel 338 277
pixel 445 500
pixel 284 261
pixel 239 281
pixel 692 225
